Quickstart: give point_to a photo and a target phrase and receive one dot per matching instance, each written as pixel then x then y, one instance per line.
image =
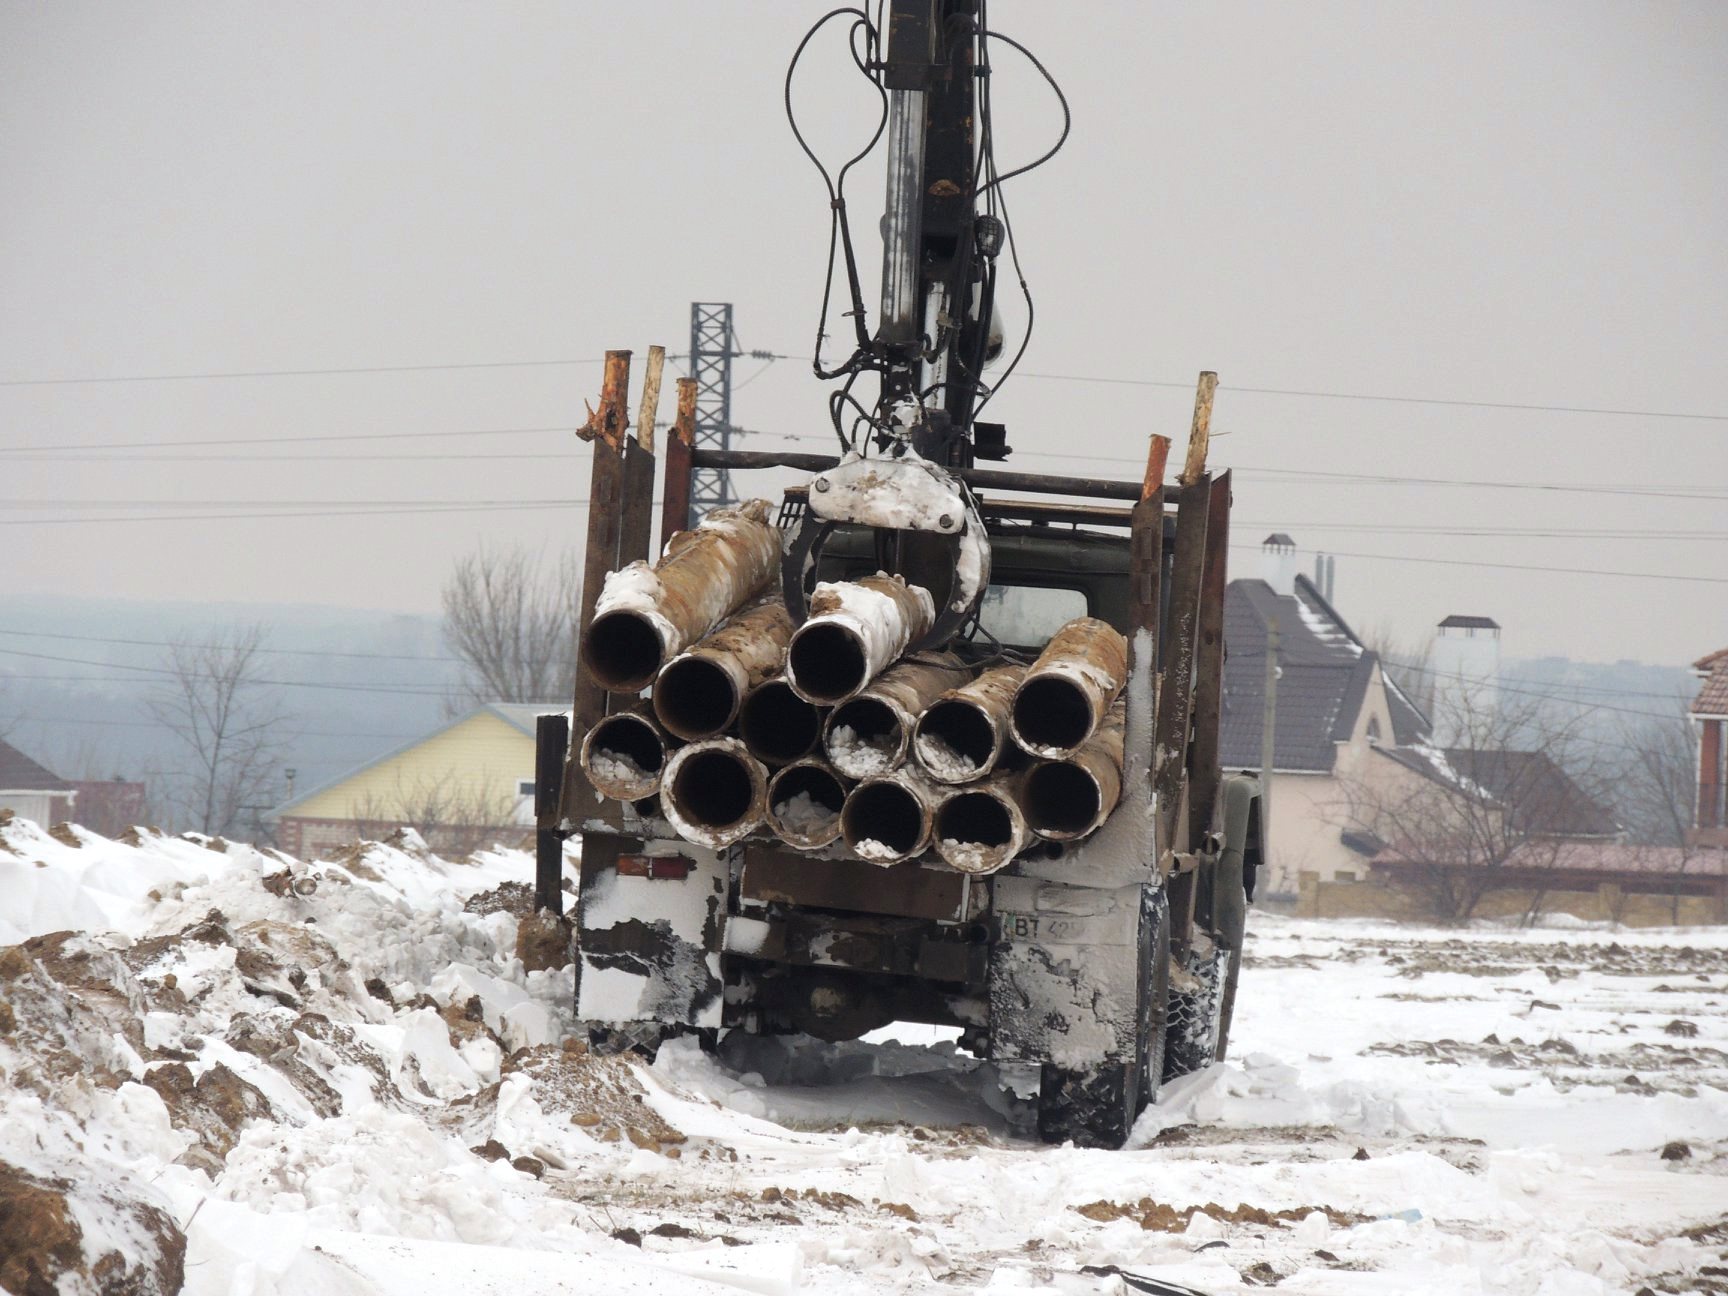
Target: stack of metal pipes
pixel 831 731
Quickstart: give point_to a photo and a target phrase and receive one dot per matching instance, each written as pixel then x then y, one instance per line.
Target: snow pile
pixel 940 758
pixel 804 816
pixel 858 756
pixel 353 1087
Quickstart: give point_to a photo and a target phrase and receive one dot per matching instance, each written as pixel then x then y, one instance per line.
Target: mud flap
pixel 649 934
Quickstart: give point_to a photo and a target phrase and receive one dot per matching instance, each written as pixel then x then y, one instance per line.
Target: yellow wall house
pixel 462 787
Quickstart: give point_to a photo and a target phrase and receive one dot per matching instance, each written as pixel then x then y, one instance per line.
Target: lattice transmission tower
pixel 712 347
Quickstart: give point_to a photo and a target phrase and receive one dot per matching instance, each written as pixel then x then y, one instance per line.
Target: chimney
pixel 1325 571
pixel 1466 666
pixel 1278 563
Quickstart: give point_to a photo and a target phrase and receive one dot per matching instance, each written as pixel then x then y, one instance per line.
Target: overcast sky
pixel 1519 204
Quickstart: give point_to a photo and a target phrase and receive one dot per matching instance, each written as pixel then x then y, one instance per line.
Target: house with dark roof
pixel 32 791
pixel 1335 707
pixel 1710 714
pixel 463 786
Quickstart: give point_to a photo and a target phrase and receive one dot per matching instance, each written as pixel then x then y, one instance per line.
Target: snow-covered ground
pixel 337 1078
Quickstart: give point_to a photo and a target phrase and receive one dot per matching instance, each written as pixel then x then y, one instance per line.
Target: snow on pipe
pixel 714 792
pixel 1068 798
pixel 871 732
pixel 804 804
pixel 1064 696
pixel 963 733
pixel 698 693
pixel 624 755
pixel 854 632
pixel 982 827
pixel 647 615
pixel 888 818
pixel 776 724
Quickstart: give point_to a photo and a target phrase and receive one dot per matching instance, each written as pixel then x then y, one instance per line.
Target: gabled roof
pixel 1456 622
pixel 18 773
pixel 518 715
pixel 1324 673
pixel 1712 699
pixel 1710 660
pixel 1541 798
pixel 1539 794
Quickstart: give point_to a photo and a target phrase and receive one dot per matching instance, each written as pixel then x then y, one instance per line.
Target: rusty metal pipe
pixel 624 755
pixel 697 694
pixel 1064 697
pixel 804 804
pixel 982 827
pixel 871 732
pixel 776 724
pixel 854 632
pixel 1066 799
pixel 647 615
pixel 714 792
pixel 963 734
pixel 888 818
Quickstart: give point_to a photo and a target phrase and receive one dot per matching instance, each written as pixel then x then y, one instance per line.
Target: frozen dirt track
pixel 359 1091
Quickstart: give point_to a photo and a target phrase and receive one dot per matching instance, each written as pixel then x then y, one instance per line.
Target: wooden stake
pixel 1201 430
pixel 675 506
pixel 1157 456
pixel 612 421
pixel 650 409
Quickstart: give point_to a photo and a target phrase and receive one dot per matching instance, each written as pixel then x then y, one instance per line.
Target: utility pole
pixel 712 346
pixel 1268 730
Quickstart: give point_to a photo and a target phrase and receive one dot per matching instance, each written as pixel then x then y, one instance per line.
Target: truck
pixel 924 739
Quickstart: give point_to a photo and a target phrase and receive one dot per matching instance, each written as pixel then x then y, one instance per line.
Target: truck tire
pixel 1096 1107
pixel 1196 996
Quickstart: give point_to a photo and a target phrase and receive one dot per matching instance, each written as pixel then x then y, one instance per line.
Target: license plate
pixel 1054 929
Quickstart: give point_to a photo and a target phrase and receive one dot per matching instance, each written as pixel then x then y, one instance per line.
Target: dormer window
pixel 1374 731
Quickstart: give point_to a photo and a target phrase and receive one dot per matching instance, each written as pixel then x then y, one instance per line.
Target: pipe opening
pixel 975 819
pixel 1061 799
pixel 827 661
pixel 883 822
pixel 695 698
pixel 623 650
pixel 955 741
pixel 805 803
pixel 712 789
pixel 625 756
pixel 1052 713
pixel 777 725
pixel 865 738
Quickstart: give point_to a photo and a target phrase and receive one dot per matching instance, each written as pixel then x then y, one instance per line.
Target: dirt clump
pixel 516 898
pixel 543 943
pixel 43 1249
pixel 212 1108
pixel 1161 1218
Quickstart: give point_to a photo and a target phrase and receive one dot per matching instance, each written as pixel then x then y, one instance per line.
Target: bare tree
pixel 1489 814
pixel 1657 786
pixel 512 621
pixel 1408 662
pixel 229 723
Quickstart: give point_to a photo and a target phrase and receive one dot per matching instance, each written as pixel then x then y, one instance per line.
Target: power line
pixel 283 652
pixel 150 724
pixel 769 356
pixel 295 373
pixel 163 671
pixel 1397 400
pixel 1532 567
pixel 278 440
pixel 239 517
